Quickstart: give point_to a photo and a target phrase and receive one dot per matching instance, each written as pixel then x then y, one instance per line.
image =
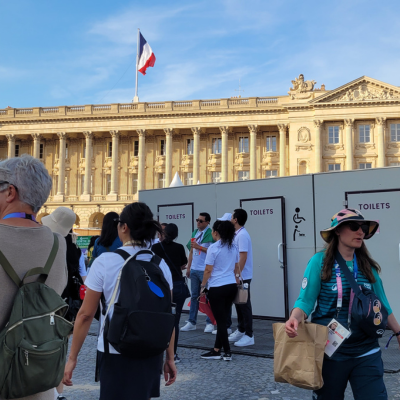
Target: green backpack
pixel 33 344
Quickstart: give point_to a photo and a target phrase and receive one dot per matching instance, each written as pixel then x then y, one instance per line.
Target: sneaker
pixel 212 355
pixel 177 359
pixel 227 357
pixel 61 397
pixel 209 328
pixel 235 336
pixel 214 332
pixel 188 327
pixel 245 341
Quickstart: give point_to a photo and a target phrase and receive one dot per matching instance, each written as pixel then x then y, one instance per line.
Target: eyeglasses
pixel 118 221
pixel 355 226
pixel 200 220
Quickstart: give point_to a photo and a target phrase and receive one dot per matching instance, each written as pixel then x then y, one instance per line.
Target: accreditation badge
pixel 336 336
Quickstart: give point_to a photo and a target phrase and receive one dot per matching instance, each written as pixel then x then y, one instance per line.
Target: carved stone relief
pixel 365 92
pixel 301 89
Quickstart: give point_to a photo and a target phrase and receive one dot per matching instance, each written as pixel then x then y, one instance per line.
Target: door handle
pixel 280 245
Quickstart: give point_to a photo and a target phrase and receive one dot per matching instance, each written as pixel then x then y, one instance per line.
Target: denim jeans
pixel 196 279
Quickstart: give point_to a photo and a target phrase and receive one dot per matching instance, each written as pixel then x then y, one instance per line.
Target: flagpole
pixel 136 98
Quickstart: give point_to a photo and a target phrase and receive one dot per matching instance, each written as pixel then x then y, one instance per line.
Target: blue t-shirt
pixel 323 295
pixel 99 249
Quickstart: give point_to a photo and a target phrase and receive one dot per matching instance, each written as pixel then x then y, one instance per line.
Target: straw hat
pixel 61 220
pixel 349 214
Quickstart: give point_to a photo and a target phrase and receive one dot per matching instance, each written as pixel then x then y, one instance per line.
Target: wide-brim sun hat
pixel 225 217
pixel 61 220
pixel 349 214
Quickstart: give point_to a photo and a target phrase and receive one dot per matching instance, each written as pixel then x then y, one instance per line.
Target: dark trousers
pixel 365 375
pixel 245 315
pixel 221 298
pixel 178 297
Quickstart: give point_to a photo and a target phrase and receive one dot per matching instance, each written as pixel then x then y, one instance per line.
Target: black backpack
pixel 142 321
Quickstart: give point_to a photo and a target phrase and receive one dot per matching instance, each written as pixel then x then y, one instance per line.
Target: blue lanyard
pixel 340 290
pixel 20 215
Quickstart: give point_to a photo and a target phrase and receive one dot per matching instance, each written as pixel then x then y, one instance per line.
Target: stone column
pixel 224 153
pixel 253 151
pixel 318 123
pixel 142 159
pixel 282 148
pixel 196 154
pixel 113 195
pixel 11 145
pixel 36 144
pixel 349 143
pixel 380 122
pixel 61 167
pixel 86 196
pixel 168 155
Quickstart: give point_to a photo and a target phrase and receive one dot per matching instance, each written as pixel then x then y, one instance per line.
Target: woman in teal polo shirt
pixel 358 359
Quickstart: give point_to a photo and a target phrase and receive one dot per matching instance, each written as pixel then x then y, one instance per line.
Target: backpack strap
pixel 124 254
pixel 44 272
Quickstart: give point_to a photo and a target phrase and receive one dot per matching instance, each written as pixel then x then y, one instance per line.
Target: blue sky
pixel 83 52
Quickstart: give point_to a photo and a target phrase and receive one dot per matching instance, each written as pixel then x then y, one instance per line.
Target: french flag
pixel 146 55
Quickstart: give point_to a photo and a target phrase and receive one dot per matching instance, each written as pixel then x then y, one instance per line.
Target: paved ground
pixel 245 377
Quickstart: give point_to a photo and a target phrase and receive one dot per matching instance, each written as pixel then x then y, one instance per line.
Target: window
pixel 136 148
pixel 109 149
pixel 108 183
pixel 364 133
pixel 66 150
pixel 243 144
pixel 162 147
pixel 333 134
pixel 272 173
pixel 161 181
pixel 216 177
pixel 189 178
pixel 134 183
pixel 216 146
pixel 395 164
pixel 395 132
pixel 244 175
pixel 41 151
pixel 189 146
pixel 82 184
pixel 271 143
pixel 16 150
pixel 365 165
pixel 333 167
pixel 84 150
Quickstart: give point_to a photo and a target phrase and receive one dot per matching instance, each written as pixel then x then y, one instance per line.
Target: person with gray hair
pixel 24 187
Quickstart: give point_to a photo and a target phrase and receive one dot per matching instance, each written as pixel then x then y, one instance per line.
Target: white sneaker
pixel 214 332
pixel 235 336
pixel 188 327
pixel 245 341
pixel 209 328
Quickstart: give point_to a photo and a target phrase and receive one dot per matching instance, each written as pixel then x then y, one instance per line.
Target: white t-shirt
pixel 103 277
pixel 243 243
pixel 199 257
pixel 223 258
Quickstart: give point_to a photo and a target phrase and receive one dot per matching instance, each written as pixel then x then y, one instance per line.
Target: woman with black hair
pixel 122 377
pixel 220 276
pixel 108 240
pixel 175 256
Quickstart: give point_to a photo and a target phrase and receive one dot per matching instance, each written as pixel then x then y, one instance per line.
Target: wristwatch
pixel 237 275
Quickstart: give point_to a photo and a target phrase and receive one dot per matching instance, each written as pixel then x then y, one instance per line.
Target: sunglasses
pixel 355 226
pixel 118 221
pixel 200 220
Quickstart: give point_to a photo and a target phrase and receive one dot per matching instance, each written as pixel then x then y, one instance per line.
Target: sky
pixel 55 53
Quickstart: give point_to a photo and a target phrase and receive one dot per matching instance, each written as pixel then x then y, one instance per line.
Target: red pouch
pixel 82 292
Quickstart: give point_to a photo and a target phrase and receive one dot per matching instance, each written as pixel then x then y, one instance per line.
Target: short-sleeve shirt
pixel 243 243
pixel 198 256
pixel 223 259
pixel 103 276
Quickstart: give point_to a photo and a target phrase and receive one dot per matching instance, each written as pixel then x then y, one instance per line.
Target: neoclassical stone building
pixel 100 155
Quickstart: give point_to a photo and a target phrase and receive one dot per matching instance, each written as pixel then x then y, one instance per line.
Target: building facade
pixel 99 156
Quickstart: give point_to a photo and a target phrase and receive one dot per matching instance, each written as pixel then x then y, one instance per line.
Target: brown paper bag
pixel 298 361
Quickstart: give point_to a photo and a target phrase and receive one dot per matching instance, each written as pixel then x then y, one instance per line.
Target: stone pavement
pixel 245 377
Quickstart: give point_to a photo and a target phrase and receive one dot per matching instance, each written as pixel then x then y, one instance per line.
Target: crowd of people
pixel 220 259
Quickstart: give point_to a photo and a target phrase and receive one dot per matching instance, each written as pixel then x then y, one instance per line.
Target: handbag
pixel 242 294
pixel 299 360
pixel 367 311
pixel 186 288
